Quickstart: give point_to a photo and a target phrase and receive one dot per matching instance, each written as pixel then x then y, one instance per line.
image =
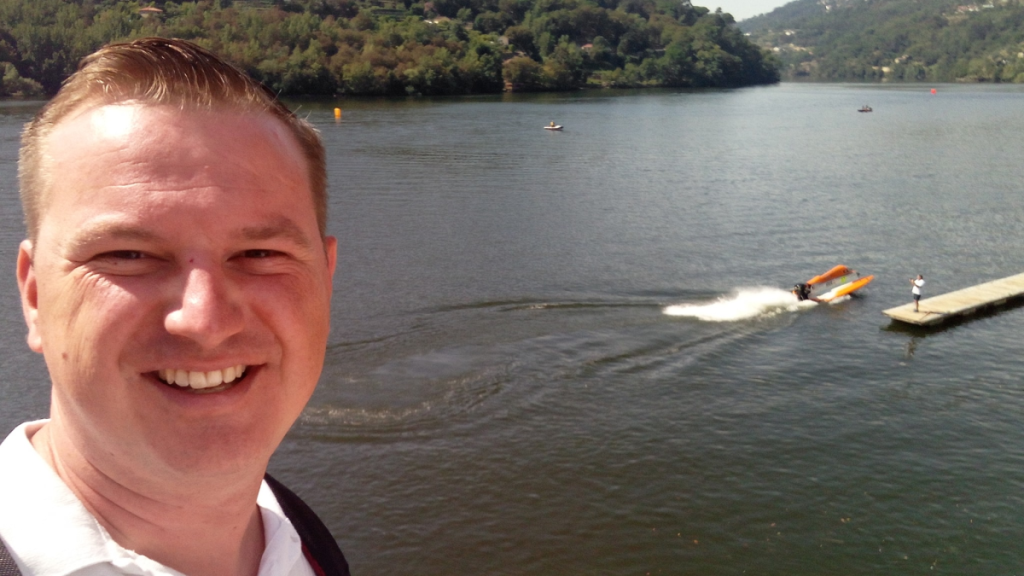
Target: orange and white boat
pixel 835 283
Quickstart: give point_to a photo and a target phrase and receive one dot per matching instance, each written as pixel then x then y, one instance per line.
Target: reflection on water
pixel 911 347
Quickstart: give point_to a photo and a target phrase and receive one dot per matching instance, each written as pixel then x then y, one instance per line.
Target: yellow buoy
pixel 337 113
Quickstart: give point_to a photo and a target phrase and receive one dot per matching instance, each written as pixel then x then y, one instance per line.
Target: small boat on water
pixel 553 126
pixel 836 283
pixel 865 108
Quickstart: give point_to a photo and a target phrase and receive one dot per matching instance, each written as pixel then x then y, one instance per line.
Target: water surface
pixel 574 353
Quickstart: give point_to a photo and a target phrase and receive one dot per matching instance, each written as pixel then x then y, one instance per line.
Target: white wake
pixel 743 304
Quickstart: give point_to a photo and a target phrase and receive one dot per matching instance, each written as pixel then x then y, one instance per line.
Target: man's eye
pixel 259 253
pixel 123 255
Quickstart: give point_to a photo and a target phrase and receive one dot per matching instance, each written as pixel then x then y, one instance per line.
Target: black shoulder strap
pixel 8 567
pixel 316 538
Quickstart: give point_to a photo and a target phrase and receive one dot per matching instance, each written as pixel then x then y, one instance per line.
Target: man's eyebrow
pixel 111 230
pixel 279 228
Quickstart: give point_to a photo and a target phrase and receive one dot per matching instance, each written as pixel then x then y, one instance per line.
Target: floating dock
pixel 960 303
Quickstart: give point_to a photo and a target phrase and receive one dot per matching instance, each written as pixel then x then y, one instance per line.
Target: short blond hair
pixel 158 71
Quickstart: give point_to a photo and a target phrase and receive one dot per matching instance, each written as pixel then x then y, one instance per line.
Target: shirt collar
pixel 39 510
pixel 51 533
pixel 283 547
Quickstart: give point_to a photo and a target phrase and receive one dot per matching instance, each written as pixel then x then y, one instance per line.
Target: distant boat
pixel 553 126
pixel 865 108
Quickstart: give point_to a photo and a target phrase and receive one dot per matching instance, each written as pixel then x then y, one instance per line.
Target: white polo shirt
pixel 50 533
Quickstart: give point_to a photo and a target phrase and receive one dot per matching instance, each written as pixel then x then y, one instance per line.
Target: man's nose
pixel 209 311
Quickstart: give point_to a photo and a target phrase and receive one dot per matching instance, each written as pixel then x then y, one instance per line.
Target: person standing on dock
pixel 916 284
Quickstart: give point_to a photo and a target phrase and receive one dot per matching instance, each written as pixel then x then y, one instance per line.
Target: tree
pixel 520 38
pixel 523 73
pixel 385 47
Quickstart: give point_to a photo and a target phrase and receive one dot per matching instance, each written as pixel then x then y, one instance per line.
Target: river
pixel 574 352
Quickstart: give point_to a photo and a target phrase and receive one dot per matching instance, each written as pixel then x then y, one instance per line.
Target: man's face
pixel 179 288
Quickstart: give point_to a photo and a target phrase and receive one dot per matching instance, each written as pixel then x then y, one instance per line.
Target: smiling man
pixel 177 281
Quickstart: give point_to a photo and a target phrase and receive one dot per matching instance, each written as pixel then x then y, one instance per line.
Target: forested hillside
pixel 391 47
pixel 910 40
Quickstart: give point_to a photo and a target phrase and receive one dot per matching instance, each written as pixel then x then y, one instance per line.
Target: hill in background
pixel 885 40
pixel 397 47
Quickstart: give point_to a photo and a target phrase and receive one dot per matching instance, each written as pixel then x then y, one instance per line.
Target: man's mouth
pixel 213 381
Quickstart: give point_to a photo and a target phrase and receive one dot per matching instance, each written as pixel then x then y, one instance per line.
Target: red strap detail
pixel 312 561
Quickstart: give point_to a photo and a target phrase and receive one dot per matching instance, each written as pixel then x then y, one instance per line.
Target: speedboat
pixel 865 108
pixel 836 283
pixel 553 126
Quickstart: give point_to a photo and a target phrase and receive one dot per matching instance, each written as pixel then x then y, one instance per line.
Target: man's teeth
pixel 201 380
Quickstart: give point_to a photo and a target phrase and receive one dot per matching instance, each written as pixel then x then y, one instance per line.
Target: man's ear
pixel 331 249
pixel 29 295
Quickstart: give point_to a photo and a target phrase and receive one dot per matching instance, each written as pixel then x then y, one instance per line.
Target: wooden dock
pixel 959 303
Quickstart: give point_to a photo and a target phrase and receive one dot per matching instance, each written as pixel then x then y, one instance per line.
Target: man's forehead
pixel 146 140
pixel 120 120
pixel 159 151
pixel 112 121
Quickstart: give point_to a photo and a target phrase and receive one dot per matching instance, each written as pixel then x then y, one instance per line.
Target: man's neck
pixel 219 532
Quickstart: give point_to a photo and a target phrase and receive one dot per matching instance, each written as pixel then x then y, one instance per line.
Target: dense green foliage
pixel 913 40
pixel 387 47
